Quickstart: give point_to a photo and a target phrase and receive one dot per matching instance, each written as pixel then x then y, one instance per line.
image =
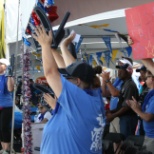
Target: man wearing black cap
pixel 128 118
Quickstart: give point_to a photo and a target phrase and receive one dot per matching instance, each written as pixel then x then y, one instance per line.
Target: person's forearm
pixel 49 64
pixel 149 64
pixel 58 58
pixel 105 92
pixel 68 58
pixel 44 121
pixel 114 92
pixel 121 111
pixel 51 70
pixel 10 84
pixel 145 116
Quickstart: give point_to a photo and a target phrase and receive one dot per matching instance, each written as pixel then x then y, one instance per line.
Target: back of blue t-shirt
pixel 77 126
pixel 114 100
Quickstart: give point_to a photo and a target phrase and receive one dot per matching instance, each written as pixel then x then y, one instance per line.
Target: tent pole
pixel 14 96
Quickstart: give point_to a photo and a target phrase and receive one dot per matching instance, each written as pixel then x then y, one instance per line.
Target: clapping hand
pixel 133 104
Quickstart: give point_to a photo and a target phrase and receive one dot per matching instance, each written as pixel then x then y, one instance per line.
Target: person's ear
pixel 78 82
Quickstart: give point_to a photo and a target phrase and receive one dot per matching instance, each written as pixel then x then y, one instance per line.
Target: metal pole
pixel 14 96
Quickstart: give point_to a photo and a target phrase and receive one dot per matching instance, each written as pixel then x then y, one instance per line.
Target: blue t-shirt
pixel 149 126
pixel 77 125
pixel 6 97
pixel 114 100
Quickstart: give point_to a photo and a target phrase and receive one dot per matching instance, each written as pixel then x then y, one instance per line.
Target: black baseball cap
pixel 142 68
pixel 79 70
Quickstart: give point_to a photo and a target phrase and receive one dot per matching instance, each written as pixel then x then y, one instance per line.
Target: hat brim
pixel 119 67
pixel 64 72
pixel 138 70
pixel 122 67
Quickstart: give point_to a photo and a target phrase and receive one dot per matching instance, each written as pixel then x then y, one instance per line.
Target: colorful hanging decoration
pixel 110 30
pixel 107 41
pixel 129 50
pixel 26 99
pixel 114 54
pixel 100 26
pixel 51 12
pixel 107 58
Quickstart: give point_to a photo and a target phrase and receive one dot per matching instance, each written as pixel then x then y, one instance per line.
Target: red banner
pixel 140 23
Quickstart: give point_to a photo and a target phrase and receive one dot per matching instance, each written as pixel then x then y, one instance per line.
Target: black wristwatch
pixel 107 81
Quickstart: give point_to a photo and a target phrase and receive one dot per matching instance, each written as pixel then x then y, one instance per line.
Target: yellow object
pixel 38 68
pixel 99 26
pixel 38 55
pixel 2 30
pixel 94 63
pixel 114 54
pixel 102 59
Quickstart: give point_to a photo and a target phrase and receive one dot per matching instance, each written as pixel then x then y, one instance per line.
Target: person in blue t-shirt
pixel 77 123
pixel 109 89
pixel 146 112
pixel 6 101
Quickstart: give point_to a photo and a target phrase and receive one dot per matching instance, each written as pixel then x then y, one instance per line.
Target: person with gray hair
pixel 6 102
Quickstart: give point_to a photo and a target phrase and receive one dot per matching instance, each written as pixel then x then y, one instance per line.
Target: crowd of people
pixel 80 106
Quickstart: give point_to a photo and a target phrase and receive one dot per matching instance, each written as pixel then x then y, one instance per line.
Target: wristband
pixel 107 81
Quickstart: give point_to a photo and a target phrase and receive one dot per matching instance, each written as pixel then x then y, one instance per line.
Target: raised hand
pixel 9 71
pixel 50 100
pixel 133 104
pixel 68 40
pixel 42 36
pixel 130 41
pixel 105 76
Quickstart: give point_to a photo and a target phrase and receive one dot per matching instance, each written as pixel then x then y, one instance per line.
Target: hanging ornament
pixel 52 13
pixel 50 10
pixel 48 3
pixel 27 134
pixel 36 19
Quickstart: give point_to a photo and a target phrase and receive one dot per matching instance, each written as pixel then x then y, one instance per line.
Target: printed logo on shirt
pixel 96 135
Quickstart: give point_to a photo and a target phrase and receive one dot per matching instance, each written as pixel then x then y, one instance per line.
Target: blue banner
pixel 107 58
pixel 129 50
pixel 99 54
pixel 107 41
pixel 90 60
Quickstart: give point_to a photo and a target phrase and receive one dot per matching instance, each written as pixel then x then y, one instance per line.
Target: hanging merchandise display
pixel 27 134
pixel 48 8
pixel 45 13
